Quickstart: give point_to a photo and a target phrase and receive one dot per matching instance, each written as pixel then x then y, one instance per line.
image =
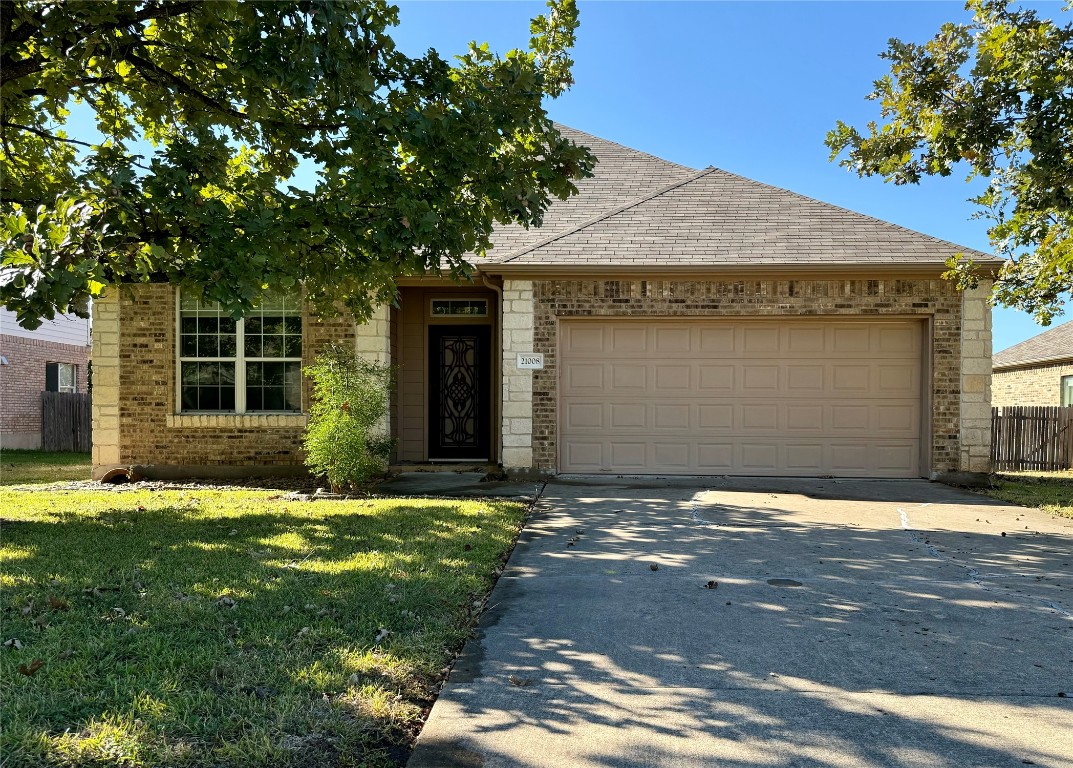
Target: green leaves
pixel 208 110
pixel 993 96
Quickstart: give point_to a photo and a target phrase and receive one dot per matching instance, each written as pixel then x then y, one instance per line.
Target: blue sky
pixel 751 87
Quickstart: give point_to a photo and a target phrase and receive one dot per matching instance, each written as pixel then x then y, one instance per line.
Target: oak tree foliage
pixel 208 108
pixel 994 94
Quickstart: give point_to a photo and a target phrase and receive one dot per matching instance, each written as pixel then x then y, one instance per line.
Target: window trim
pixel 60 366
pixel 239 360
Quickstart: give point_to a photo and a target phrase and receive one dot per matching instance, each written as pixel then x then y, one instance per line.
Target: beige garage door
pixel 746 397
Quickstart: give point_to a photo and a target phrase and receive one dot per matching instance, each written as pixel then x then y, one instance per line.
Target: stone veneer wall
pixel 1039 385
pixel 975 434
pixel 517 406
pixel 938 299
pixel 135 415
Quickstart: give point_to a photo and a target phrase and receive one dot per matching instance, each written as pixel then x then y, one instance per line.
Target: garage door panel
pixel 627 415
pixel 628 376
pixel 715 457
pixel 677 416
pixel 760 340
pixel 673 339
pixel 629 455
pixel 673 378
pixel 716 378
pixel 716 339
pixel 629 340
pixel 585 377
pixel 754 377
pixel 741 396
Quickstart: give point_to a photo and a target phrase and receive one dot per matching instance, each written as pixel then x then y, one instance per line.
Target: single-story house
pixel 666 320
pixel 1038 371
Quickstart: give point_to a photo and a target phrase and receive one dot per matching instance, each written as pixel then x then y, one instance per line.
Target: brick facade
pixel 935 299
pixel 1037 385
pixel 22 381
pixel 136 420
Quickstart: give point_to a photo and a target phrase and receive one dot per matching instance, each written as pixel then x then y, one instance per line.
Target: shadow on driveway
pixel 774 622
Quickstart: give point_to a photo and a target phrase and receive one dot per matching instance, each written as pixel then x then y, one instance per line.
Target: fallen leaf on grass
pixel 57 604
pixel 13 643
pixel 225 601
pixel 31 670
pixel 380 636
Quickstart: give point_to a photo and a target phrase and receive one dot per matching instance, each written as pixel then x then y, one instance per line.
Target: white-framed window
pixel 252 365
pixel 459 307
pixel 61 377
pixel 1067 390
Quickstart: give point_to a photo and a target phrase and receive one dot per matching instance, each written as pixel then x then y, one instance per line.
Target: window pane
pixel 227 325
pixel 254 399
pixel 189 398
pixel 273 398
pixel 208 325
pixel 1067 390
pixel 292 324
pixel 253 324
pixel 292 346
pixel 252 346
pixel 227 398
pixel 208 346
pixel 189 375
pixel 254 375
pixel 273 346
pixel 209 399
pixel 273 373
pixel 227 346
pixel 208 373
pixel 188 346
pixel 271 324
pixel 189 325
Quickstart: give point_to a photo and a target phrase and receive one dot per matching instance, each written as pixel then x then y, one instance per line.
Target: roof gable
pixel 716 218
pixel 1050 346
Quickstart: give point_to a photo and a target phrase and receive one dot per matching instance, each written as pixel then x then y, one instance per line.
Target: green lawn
pixel 233 627
pixel 1050 491
pixel 33 467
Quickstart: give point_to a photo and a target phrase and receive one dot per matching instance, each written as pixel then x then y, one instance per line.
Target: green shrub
pixel 345 437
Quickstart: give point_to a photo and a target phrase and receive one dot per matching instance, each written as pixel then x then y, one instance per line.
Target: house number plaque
pixel 532 361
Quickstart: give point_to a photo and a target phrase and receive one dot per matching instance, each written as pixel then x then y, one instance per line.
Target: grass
pixel 233 627
pixel 33 467
pixel 1050 491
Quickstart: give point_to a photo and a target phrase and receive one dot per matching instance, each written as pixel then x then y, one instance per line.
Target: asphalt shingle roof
pixel 1050 346
pixel 622 175
pixel 641 211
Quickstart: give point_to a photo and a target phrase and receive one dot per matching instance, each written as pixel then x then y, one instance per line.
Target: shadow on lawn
pixel 228 620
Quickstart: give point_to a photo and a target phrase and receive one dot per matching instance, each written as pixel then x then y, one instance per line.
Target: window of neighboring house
pixel 252 365
pixel 1067 390
pixel 61 377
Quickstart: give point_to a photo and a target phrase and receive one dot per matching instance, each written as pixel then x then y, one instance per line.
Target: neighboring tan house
pixel 664 321
pixel 54 357
pixel 1038 371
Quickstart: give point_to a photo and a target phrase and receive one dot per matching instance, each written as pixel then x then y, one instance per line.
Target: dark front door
pixel 460 403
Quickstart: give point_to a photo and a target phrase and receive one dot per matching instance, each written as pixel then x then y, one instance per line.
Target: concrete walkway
pixel 730 622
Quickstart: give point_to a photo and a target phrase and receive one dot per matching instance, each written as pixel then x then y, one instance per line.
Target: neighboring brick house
pixel 53 357
pixel 664 321
pixel 1038 371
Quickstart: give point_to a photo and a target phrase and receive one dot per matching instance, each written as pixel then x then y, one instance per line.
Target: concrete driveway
pixel 851 623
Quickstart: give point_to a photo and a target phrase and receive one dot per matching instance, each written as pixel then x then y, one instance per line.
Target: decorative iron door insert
pixel 460 403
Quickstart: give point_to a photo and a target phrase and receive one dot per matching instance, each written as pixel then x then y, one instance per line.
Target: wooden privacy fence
pixel 65 421
pixel 1032 437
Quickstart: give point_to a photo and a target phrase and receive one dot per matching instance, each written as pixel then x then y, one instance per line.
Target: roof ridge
pixel 867 216
pixel 606 215
pixel 626 147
